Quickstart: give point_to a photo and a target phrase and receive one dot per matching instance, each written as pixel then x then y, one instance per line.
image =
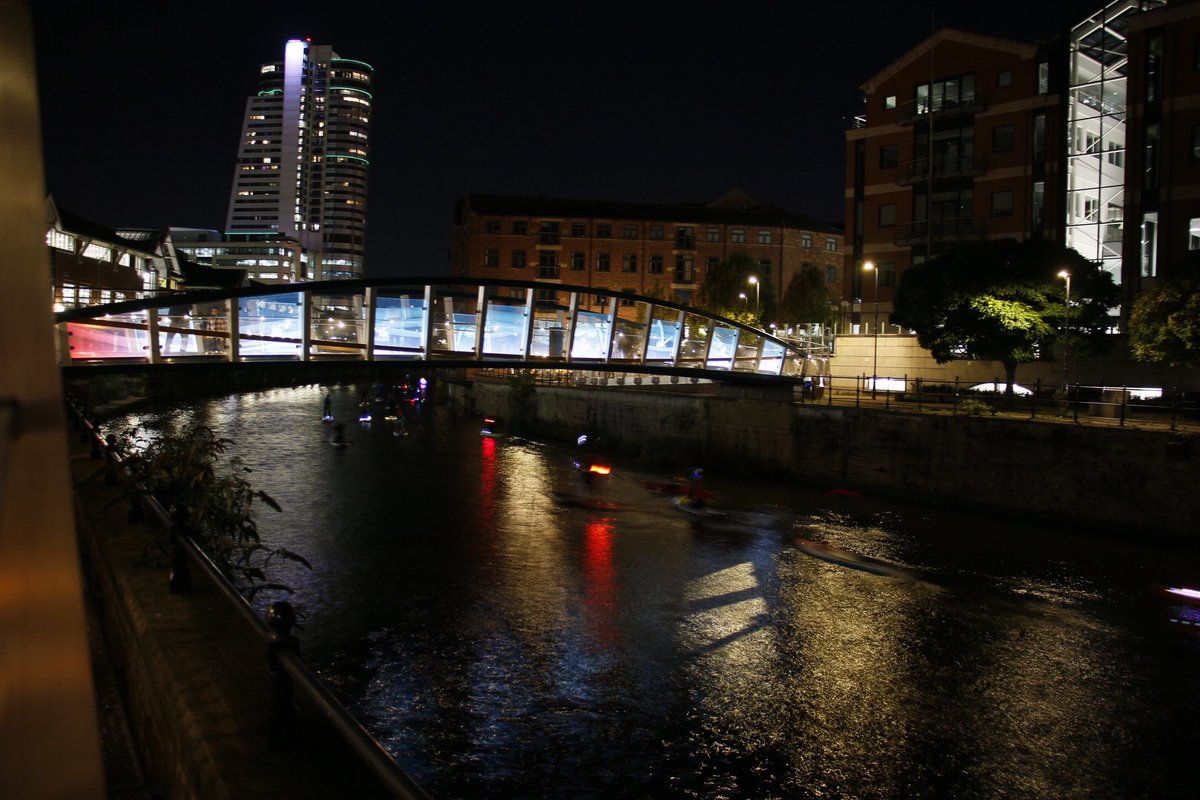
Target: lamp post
pixel 869 267
pixel 754 280
pixel 1066 327
pixel 742 296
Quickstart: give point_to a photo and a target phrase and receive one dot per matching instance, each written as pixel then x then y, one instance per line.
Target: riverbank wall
pixel 1102 480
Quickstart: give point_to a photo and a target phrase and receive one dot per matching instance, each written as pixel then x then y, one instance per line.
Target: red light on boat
pixel 599 469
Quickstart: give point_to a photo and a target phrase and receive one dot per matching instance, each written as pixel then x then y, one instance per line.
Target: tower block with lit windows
pixel 304 157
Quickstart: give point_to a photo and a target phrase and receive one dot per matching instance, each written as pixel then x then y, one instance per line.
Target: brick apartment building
pixel 1090 137
pixel 987 170
pixel 634 247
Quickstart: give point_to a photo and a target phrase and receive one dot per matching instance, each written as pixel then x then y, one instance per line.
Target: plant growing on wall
pixel 186 468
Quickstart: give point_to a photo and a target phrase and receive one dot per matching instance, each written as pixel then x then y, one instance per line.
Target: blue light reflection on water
pixel 502 645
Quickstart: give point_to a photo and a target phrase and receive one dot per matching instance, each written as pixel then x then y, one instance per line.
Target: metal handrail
pixel 393 777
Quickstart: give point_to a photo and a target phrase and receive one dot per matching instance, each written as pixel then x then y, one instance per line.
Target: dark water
pixel 502 645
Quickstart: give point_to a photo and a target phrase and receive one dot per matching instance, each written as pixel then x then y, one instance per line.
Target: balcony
pixel 944 230
pixel 547 237
pixel 684 276
pixel 685 242
pixel 944 167
pixel 914 111
pixel 548 273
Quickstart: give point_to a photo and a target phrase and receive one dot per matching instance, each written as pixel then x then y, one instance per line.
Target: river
pixel 501 644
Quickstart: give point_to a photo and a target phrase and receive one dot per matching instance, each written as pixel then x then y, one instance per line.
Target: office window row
pixel 684 235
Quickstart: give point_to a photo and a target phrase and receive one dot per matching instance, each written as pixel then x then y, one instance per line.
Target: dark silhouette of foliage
pixel 723 283
pixel 1002 300
pixel 806 299
pixel 1164 323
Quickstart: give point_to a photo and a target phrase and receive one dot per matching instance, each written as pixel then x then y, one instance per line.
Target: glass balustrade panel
pixel 270 325
pixel 110 336
pixel 664 335
pixel 399 323
pixel 454 319
pixel 592 330
pixel 338 324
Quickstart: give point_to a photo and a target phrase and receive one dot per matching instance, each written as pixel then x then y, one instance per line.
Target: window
pixel 831 275
pixel 1194 233
pixel 1153 132
pixel 711 263
pixel 712 234
pixel 604 230
pixel 1043 79
pixel 889 102
pixel 60 241
pixel 1038 203
pixel 629 262
pixel 548 233
pixel 656 232
pixel 1002 204
pixel 518 259
pixel 887 274
pixel 889 156
pixel 1195 142
pixel 1154 60
pixel 737 236
pixel 656 265
pixel 625 301
pixel 887 215
pixel 1150 245
pixel 685 237
pixel 1002 138
pixel 577 262
pixel 806 241
pixel 631 232
pixel 764 237
pixel 765 265
pixel 831 245
pixel 578 230
pixel 491 226
pixel 603 262
pixel 547 264
pixel 1039 137
pixel 949 93
pixel 491 257
pixel 520 227
pixel 684 269
pixel 1004 78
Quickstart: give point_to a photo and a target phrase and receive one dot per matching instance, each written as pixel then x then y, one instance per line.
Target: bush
pixel 975 408
pixel 182 469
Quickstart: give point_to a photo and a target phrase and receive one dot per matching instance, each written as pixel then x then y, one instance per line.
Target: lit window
pixel 1004 78
pixel 737 236
pixel 806 240
pixel 1002 204
pixel 831 245
pixel 764 237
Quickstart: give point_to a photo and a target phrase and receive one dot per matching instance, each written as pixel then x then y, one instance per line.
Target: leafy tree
pixel 180 467
pixel 1002 300
pixel 723 283
pixel 1164 324
pixel 806 299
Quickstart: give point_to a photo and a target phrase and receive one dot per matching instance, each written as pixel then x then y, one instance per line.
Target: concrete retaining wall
pixel 1106 480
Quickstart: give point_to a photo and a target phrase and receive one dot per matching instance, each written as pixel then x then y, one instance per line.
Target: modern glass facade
pixel 304 157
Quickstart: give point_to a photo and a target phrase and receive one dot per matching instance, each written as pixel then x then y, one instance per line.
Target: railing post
pixel 1074 400
pixel 1037 390
pixel 1124 395
pixel 180 580
pixel 305 325
pixel 111 468
pixel 281 725
pixel 480 320
pixel 527 327
pixel 1174 405
pixel 233 307
pixel 152 332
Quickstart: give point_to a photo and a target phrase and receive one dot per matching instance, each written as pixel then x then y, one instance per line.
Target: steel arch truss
pixel 487 323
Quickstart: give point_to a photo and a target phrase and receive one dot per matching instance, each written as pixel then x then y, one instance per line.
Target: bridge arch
pixel 439 321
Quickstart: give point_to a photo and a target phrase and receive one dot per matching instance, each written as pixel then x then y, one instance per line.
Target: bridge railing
pixel 536 323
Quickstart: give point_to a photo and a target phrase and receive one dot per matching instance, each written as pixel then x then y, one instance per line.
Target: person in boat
pixel 695 492
pixel 339 433
pixel 327 412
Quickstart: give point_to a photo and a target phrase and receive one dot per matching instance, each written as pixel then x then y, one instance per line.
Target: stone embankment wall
pixel 1104 480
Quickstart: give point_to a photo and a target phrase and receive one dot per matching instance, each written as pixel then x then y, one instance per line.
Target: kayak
pixel 689 506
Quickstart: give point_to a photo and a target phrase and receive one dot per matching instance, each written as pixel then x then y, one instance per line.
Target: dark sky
pixel 656 101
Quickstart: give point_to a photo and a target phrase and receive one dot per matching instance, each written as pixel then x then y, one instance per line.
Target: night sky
pixel 651 102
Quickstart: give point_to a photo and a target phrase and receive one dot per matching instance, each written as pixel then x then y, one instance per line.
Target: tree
pixel 1002 300
pixel 723 283
pixel 806 299
pixel 1164 324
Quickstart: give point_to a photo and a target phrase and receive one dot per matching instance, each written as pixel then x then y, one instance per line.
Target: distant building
pixel 93 265
pixel 636 247
pixel 304 156
pixel 1162 199
pixel 1088 138
pixel 264 258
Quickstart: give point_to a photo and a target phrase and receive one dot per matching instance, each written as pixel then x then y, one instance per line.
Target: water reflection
pixel 500 644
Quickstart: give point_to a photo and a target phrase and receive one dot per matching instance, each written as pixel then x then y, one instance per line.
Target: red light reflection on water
pixel 487 483
pixel 600 583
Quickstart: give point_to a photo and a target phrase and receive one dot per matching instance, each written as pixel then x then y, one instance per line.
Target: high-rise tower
pixel 304 157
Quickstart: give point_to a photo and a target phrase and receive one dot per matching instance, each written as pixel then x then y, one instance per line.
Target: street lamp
pixel 869 267
pixel 754 280
pixel 742 295
pixel 1066 326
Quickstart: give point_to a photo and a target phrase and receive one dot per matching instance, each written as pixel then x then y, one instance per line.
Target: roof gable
pixel 948 35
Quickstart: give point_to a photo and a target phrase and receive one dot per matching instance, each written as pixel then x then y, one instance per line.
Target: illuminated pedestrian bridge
pixel 437 321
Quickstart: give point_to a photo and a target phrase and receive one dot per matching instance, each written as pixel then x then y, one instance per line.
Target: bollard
pixel 281 618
